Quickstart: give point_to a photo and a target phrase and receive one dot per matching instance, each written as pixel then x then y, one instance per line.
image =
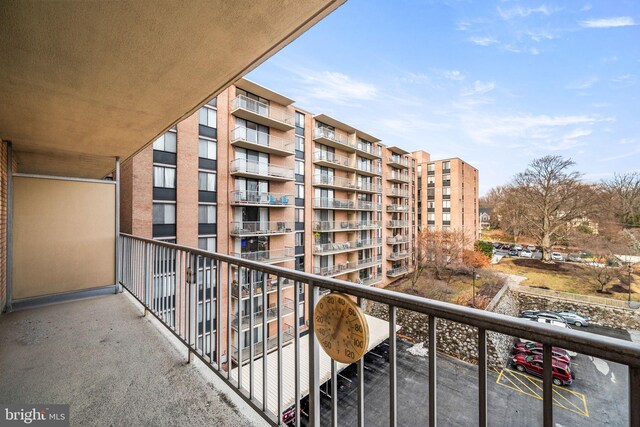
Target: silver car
pixel 573 318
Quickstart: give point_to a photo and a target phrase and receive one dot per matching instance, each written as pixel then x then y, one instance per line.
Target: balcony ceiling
pixel 83 82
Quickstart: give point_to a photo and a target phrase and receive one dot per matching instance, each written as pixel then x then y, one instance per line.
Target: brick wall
pixel 3 224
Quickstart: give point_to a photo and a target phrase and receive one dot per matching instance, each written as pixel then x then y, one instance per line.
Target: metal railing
pixel 398 255
pixel 261 198
pixel 145 263
pixel 274 255
pixel 261 138
pixel 373 168
pixel 398 192
pixel 348 267
pixel 256 228
pixel 397 223
pixel 325 248
pixel 344 225
pixel 399 176
pixel 397 160
pixel 371 280
pixel 272 342
pixel 260 168
pixel 257 318
pixel 400 238
pixel 335 136
pixel 372 149
pixel 397 208
pixel 334 159
pixel 262 109
pixel 271 286
pixel 397 271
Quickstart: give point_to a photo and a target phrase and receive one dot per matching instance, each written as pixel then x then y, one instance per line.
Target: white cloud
pixel 483 41
pixel 480 88
pixel 540 35
pixel 416 78
pixel 627 141
pixel 522 12
pixel 335 87
pixel 621 21
pixel 623 80
pixel 583 84
pixel 586 8
pixel 453 75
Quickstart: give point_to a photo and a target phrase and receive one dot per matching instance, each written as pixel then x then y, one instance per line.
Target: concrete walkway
pixel 112 366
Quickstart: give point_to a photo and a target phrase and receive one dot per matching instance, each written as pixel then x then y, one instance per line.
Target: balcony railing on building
pixel 398 176
pixel 369 149
pixel 259 228
pixel 261 141
pixel 395 223
pixel 271 256
pixel 348 267
pixel 398 161
pixel 333 248
pixel 398 192
pixel 393 272
pixel 261 198
pixel 371 280
pixel 398 255
pixel 272 315
pixel 327 226
pixel 334 138
pixel 272 344
pixel 332 160
pixel 397 208
pixel 244 289
pixel 369 168
pixel 253 169
pixel 396 240
pixel 262 113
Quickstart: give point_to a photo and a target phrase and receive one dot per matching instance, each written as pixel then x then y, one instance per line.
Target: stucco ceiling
pixel 83 82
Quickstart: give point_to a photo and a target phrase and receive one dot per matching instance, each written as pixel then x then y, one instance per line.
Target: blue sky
pixel 495 83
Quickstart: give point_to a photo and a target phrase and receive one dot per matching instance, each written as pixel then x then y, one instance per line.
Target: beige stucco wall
pixel 63 236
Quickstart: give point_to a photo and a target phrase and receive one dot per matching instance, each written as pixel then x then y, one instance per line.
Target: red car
pixel 532 364
pixel 537 348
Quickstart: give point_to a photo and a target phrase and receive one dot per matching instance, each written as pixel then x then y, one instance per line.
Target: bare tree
pixel 511 212
pixel 552 197
pixel 421 252
pixel 444 250
pixel 623 191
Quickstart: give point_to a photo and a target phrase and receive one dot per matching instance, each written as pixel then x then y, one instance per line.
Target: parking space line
pixel 532 387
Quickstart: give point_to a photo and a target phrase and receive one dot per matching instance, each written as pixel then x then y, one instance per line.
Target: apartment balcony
pixel 260 228
pixel 397 256
pixel 369 151
pixel 287 335
pixel 369 169
pixel 345 204
pixel 262 199
pixel 396 176
pixel 337 182
pixel 398 271
pixel 398 161
pixel 397 240
pixel 245 288
pixel 261 113
pixel 269 257
pixel 398 192
pixel 368 187
pixel 371 280
pixel 341 247
pixel 332 160
pixel 332 226
pixel 397 208
pixel 260 170
pixel 348 267
pixel 394 223
pixel 260 141
pixel 334 139
pixel 258 316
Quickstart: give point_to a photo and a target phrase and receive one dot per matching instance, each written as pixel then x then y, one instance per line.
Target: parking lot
pixel 597 397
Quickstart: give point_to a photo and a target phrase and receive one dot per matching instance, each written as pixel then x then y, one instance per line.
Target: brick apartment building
pixel 254 176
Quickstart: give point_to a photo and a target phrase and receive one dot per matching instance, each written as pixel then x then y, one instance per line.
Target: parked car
pixel 532 364
pixel 497 245
pixel 574 258
pixel 573 318
pixel 532 248
pixel 517 247
pixel 506 247
pixel 561 324
pixel 557 256
pixel 537 348
pixel 530 314
pixel 551 315
pixel 526 253
pixel 513 252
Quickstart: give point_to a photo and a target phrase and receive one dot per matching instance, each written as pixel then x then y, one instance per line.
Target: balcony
pixel 345 204
pixel 334 139
pixel 397 161
pixel 330 181
pixel 348 267
pixel 264 114
pixel 371 169
pixel 272 344
pixel 394 223
pixel 397 176
pixel 371 280
pixel 369 151
pixel 260 228
pixel 245 288
pixel 332 226
pixel 398 192
pixel 397 208
pixel 259 198
pixel 398 239
pixel 260 141
pixel 397 256
pixel 260 170
pixel 258 316
pixel 270 257
pixel 332 160
pixel 398 271
pixel 341 247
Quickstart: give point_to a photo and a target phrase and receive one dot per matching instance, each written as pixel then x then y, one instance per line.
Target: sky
pixel 496 83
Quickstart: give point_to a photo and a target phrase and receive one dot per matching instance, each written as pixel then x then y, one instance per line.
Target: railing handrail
pixel 275 113
pixel 270 167
pixel 271 141
pixel 612 349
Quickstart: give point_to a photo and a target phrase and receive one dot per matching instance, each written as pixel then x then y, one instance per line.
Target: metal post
pixel 9 225
pixel 547 386
pixel 482 377
pixel 629 270
pixel 634 396
pixel 314 362
pixel 473 289
pixel 117 213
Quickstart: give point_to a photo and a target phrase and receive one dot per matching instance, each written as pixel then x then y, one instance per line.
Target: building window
pixel 299 215
pixel 300 191
pixel 299 167
pixel 164 213
pixel 299 239
pixel 431 180
pixel 299 120
pixel 206 181
pixel 431 167
pixel 431 216
pixel 166 142
pixel 446 216
pixel 431 205
pixel 213 102
pixel 446 166
pixel 207 244
pixel 207 117
pixel 446 203
pixel 206 214
pixel 300 143
pixel 164 177
pixel 446 191
pixel 207 149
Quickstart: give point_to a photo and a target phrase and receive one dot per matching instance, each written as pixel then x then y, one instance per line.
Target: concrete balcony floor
pixel 113 366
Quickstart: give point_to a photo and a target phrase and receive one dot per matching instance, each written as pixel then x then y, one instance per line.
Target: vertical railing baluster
pixel 314 361
pixel 296 332
pixel 192 302
pixel 547 385
pixel 334 393
pixel 251 318
pixel 229 320
pixel 393 396
pixel 433 419
pixel 482 377
pixel 634 396
pixel 360 368
pixel 265 333
pixel 279 325
pixel 239 327
pixel 212 304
